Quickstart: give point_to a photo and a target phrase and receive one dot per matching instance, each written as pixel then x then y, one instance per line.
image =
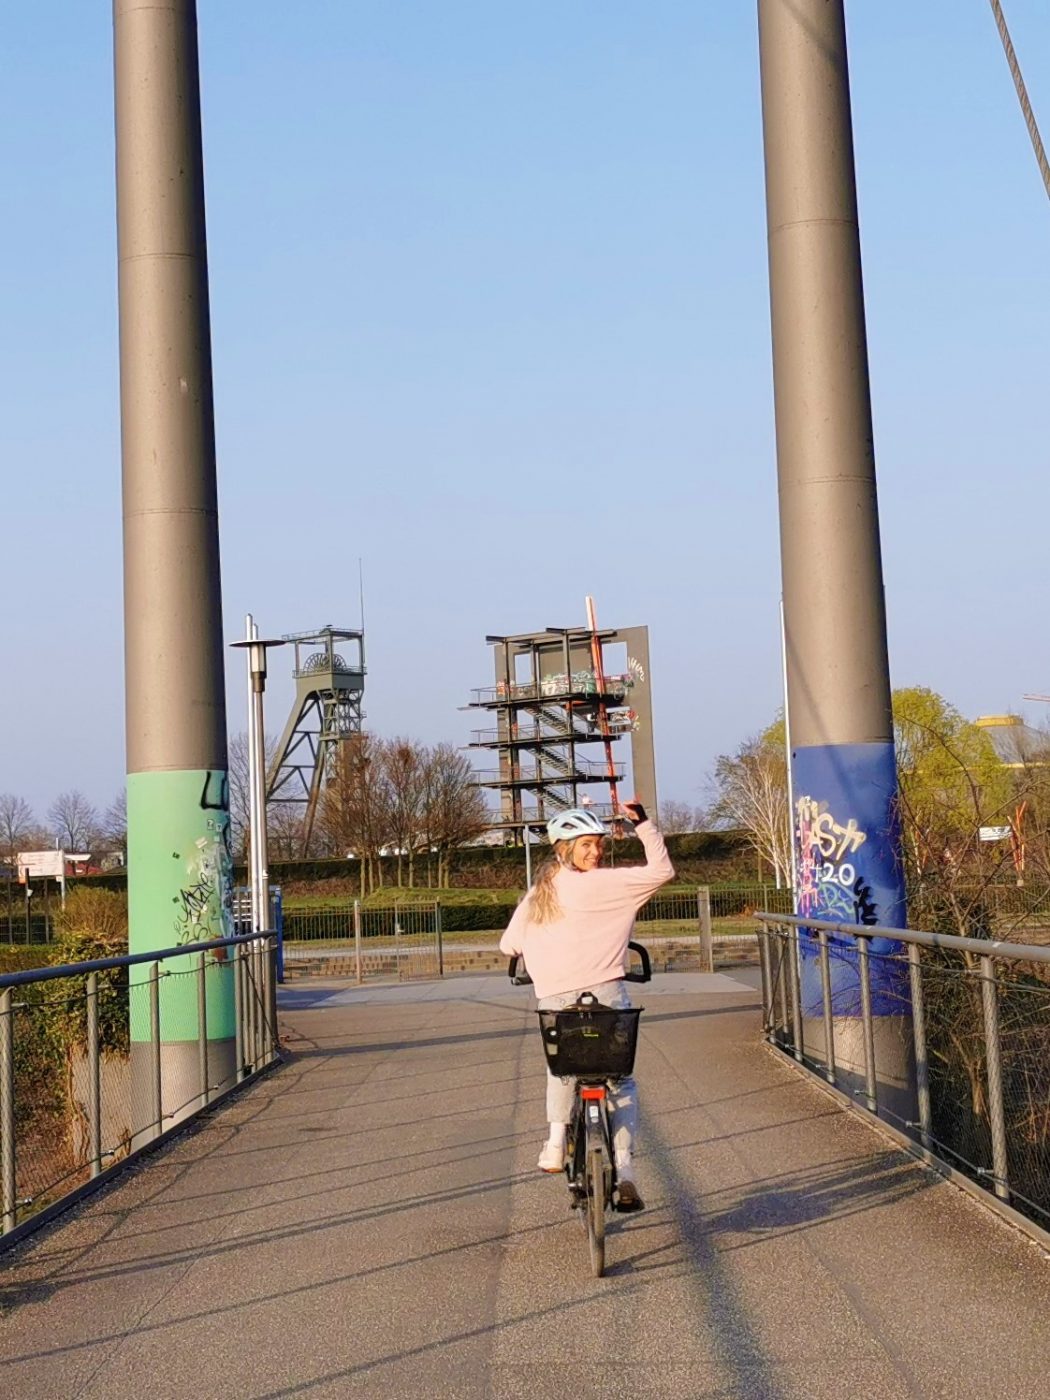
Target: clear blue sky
pixel 490 309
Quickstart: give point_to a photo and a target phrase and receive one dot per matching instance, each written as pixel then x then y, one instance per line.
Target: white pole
pixel 260 852
pixel 528 858
pixel 787 756
pixel 253 840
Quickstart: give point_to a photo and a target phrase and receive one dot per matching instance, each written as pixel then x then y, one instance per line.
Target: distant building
pixel 1017 744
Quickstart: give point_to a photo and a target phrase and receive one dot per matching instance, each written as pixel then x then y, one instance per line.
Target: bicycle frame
pixel 589 1128
pixel 590 1163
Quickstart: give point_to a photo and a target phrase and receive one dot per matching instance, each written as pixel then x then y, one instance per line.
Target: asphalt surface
pixel 368 1221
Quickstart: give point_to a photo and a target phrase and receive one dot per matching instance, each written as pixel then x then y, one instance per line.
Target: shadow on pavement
pixel 797 1200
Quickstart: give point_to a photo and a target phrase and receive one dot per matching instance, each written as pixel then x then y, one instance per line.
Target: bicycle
pixel 596 1044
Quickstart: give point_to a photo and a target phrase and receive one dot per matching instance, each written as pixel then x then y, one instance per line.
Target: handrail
pixel 834 1033
pixel 44 974
pixel 983 947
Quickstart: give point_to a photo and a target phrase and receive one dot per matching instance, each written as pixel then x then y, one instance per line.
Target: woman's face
pixel 586 852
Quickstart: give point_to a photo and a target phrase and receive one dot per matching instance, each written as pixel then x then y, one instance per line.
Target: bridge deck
pixel 369 1221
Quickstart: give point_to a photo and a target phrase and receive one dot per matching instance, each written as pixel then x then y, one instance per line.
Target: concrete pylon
pixel 179 860
pixel 842 755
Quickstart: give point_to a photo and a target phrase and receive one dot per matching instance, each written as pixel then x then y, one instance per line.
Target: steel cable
pixel 1022 93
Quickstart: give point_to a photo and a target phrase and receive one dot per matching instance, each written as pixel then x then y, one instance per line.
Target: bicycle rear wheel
pixel 595 1207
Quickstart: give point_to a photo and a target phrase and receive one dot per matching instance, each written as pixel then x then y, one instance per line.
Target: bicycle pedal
pixel 628 1200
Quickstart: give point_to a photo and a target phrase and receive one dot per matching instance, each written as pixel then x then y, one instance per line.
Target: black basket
pixel 590 1042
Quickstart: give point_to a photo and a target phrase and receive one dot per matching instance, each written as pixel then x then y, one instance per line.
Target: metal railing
pixel 530 734
pixel 100 1060
pixel 562 687
pixel 402 939
pixel 946 1039
pixel 557 770
pixel 536 816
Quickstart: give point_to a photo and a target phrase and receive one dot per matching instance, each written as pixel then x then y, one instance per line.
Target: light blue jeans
pixel 623 1093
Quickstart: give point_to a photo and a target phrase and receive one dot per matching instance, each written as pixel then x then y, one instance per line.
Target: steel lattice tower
pixel 327 710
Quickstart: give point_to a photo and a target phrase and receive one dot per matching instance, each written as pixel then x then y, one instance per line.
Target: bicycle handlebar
pixel 646 974
pixel 521 978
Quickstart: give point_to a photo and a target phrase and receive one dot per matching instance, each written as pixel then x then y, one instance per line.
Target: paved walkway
pixel 368 1222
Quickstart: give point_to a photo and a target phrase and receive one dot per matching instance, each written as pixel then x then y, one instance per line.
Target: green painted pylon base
pixel 180 890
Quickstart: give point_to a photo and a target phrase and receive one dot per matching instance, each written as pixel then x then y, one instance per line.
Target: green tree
pixel 951 783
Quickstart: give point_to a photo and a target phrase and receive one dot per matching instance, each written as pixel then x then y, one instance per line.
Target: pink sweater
pixel 587 943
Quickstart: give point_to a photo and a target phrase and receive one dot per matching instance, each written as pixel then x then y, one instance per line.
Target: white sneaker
pixel 552 1158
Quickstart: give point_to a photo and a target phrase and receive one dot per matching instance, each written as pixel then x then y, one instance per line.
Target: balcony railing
pixel 619 721
pixel 584 770
pixel 561 686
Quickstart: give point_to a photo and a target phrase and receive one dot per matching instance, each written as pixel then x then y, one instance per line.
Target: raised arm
pixel 644 880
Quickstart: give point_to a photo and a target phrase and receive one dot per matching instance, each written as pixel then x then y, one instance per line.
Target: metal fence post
pixel 154 1045
pixel 922 1066
pixel 238 1014
pixel 272 950
pixel 796 993
pixel 252 969
pixel 829 1020
pixel 703 909
pixel 266 968
pixel 8 1180
pixel 94 1069
pixel 440 938
pixel 260 1002
pixel 357 940
pixel 867 1026
pixel 767 989
pixel 990 998
pixel 782 977
pixel 202 1028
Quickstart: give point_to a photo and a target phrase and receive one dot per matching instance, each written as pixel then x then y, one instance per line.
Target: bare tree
pixel 240 815
pixel 113 829
pixel 405 763
pixel 16 824
pixel 74 821
pixel 677 817
pixel 752 795
pixel 454 809
pixel 355 807
pixel 284 827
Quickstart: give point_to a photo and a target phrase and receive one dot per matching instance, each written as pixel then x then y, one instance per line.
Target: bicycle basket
pixel 586 1041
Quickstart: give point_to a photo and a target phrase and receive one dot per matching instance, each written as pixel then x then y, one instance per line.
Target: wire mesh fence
pixel 947 1039
pixel 993 909
pixel 18 928
pixel 97 1060
pixel 403 940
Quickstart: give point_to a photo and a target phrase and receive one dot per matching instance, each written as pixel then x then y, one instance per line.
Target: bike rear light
pixel 596 1092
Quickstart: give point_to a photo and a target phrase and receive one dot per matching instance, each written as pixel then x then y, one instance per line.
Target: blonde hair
pixel 543 897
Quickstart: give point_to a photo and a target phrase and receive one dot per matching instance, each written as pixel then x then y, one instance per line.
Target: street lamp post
pixel 259 875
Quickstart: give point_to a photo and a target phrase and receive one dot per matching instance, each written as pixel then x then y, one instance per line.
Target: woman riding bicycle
pixel 572 929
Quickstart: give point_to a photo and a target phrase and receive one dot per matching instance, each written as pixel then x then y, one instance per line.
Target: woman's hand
pixel 635 812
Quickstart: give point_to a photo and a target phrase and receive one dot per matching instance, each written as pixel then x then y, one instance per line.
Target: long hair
pixel 543 897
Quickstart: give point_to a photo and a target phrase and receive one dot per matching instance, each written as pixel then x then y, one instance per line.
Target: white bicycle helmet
pixel 566 826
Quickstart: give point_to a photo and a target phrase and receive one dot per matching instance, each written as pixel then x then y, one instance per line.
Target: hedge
pixel 702 857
